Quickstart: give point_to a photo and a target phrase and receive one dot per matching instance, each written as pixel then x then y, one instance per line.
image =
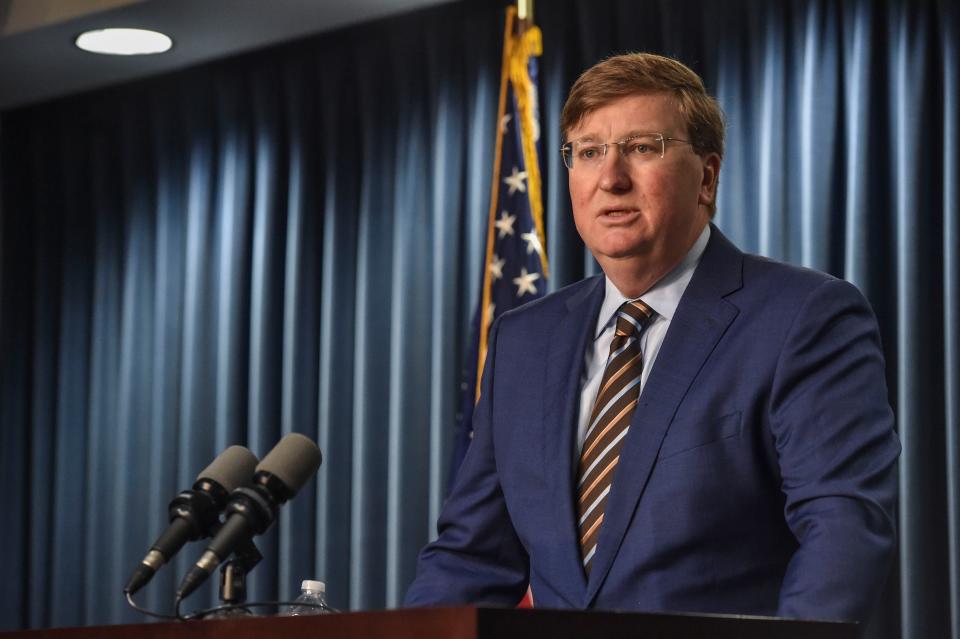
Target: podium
pixel 467 623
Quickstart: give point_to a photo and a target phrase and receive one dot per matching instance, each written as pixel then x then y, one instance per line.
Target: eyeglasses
pixel 636 149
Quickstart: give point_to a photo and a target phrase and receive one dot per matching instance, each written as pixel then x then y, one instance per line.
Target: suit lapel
pixel 564 366
pixel 700 321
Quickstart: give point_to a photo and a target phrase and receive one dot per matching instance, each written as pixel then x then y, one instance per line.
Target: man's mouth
pixel 618 212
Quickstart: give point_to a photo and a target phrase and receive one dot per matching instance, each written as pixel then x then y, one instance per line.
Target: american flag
pixel 515 266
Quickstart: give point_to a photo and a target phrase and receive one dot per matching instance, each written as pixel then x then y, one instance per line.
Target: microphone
pixel 193 513
pixel 250 511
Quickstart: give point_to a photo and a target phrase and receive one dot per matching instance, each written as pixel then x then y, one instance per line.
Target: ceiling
pixel 38 60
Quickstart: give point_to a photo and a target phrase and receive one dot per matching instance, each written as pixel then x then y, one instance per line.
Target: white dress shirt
pixel 663 298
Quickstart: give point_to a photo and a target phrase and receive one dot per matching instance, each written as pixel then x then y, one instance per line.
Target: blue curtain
pixel 291 241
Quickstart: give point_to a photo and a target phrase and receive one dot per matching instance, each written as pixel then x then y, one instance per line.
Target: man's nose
pixel 614 173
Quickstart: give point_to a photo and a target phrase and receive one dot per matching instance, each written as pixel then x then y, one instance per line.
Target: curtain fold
pixel 291 240
pixel 950 56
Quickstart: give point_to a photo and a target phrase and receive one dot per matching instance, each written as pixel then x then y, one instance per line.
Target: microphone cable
pixel 200 614
pixel 149 613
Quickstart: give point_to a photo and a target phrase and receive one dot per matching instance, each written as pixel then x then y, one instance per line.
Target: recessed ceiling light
pixel 124 41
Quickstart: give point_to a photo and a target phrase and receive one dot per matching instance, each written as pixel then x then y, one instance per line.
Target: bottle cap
pixel 315 586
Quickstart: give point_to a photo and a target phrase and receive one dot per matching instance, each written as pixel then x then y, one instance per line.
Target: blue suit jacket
pixel 758 475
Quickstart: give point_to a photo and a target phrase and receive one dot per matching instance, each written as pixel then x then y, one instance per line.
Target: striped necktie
pixel 609 422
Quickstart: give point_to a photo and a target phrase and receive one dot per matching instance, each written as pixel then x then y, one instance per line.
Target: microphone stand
pixel 233 582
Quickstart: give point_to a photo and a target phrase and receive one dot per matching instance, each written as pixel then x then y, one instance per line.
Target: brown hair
pixel 634 73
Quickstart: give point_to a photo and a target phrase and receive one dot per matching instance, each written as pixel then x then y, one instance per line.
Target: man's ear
pixel 708 184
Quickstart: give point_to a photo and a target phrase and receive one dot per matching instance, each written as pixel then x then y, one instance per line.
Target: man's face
pixel 652 210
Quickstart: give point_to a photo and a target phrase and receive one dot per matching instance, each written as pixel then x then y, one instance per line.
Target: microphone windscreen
pixel 294 460
pixel 232 468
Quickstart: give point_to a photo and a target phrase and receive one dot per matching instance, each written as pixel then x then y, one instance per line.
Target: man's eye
pixel 639 148
pixel 589 152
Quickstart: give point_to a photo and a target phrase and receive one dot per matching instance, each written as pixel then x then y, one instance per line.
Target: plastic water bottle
pixel 311 592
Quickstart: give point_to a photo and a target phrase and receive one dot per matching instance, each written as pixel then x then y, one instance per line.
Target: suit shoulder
pixel 555 303
pixel 759 269
pixel 795 285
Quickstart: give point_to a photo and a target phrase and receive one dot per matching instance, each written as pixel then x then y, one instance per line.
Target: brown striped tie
pixel 609 422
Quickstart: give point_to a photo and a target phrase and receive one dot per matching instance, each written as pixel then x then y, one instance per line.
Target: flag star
pixel 525 282
pixel 504 121
pixel 533 242
pixel 505 224
pixel 515 181
pixel 496 267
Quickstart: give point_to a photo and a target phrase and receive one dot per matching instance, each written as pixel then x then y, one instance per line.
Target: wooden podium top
pixel 466 623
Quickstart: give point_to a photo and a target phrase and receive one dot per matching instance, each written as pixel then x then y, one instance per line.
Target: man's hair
pixel 637 73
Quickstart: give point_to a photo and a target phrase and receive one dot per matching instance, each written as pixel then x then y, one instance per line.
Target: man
pixel 698 430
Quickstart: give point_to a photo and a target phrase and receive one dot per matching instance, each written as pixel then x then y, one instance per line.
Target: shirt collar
pixel 664 296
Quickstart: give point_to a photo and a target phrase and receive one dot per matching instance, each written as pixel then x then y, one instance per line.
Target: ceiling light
pixel 124 41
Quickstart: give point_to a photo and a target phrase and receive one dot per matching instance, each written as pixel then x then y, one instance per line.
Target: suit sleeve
pixel 477 557
pixel 834 434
